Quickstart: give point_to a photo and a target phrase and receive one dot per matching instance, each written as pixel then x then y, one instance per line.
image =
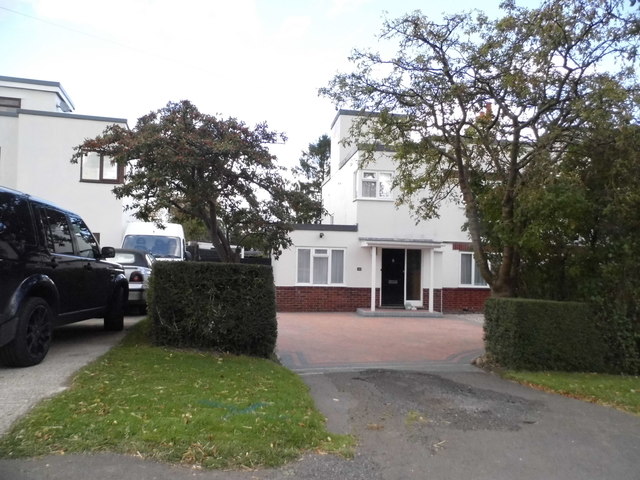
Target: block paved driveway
pixel 325 342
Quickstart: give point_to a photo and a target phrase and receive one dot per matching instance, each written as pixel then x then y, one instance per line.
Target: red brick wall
pixel 344 299
pixel 462 246
pixel 458 299
pixel 323 299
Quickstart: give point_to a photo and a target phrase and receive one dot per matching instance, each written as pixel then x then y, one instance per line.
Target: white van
pixel 166 243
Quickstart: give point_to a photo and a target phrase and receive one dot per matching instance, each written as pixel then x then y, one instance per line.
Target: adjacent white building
pixel 369 253
pixel 38 131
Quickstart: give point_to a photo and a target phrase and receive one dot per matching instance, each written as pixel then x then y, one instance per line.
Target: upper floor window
pixel 320 266
pixel 373 184
pixel 10 104
pixel 469 272
pixel 100 168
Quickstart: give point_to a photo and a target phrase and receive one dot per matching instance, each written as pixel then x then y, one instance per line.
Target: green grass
pixel 622 392
pixel 216 411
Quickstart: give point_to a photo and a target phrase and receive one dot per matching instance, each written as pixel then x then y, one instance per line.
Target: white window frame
pixel 320 253
pixel 476 279
pixel 373 176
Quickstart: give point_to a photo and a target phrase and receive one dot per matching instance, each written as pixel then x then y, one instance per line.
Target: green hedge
pixel 525 334
pixel 220 306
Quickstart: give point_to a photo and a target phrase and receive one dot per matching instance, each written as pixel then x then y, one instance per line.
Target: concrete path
pixel 73 347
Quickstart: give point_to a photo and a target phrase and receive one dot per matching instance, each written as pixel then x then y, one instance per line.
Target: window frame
pixel 101 178
pixel 475 273
pixel 360 180
pixel 52 244
pixel 82 236
pixel 10 104
pixel 317 253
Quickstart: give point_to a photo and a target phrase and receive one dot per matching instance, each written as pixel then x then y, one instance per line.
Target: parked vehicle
pixel 137 266
pixel 163 243
pixel 52 272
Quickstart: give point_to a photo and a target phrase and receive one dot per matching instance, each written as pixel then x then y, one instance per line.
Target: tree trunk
pixel 218 238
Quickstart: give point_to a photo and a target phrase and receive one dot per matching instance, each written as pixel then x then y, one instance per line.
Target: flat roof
pixel 43 83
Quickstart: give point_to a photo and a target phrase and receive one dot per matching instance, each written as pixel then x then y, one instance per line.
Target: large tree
pixel 487 108
pixel 311 172
pixel 197 166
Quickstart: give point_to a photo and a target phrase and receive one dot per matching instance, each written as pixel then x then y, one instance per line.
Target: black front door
pixel 392 293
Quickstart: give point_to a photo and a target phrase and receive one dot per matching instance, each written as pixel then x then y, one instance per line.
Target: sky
pixel 255 60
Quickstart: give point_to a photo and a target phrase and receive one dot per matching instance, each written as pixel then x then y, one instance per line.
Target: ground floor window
pixel 320 266
pixel 469 272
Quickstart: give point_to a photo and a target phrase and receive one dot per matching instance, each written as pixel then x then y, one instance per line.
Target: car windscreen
pixel 159 246
pixel 126 259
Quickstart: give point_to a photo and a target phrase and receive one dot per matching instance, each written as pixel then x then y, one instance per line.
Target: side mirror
pixel 187 255
pixel 108 252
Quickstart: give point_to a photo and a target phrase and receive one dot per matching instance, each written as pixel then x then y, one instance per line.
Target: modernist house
pixel 38 131
pixel 370 254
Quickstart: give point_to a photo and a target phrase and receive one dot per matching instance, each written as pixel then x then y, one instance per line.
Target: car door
pixel 59 261
pixel 97 273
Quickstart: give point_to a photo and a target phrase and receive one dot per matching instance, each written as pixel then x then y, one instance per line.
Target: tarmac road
pixel 450 423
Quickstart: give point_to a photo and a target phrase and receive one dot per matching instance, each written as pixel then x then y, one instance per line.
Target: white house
pixel 37 134
pixel 370 254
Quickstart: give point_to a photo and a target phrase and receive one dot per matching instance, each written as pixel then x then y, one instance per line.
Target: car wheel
pixel 114 319
pixel 33 335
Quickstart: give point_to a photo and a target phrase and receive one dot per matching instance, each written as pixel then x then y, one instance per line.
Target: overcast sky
pixel 256 60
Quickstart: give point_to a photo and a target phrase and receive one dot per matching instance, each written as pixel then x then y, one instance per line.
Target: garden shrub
pixel 220 306
pixel 525 334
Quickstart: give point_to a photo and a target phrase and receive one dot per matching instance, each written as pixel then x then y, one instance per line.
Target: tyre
pixel 114 319
pixel 33 335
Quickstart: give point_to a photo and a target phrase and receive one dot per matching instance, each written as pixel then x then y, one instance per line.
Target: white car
pixel 137 266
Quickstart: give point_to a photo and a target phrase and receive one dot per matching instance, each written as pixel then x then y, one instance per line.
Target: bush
pixel 524 334
pixel 220 306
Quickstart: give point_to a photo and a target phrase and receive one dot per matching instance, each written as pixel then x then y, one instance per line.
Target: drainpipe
pixel 373 279
pixel 432 256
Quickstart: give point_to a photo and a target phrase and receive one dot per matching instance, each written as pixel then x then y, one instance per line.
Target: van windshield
pixel 159 246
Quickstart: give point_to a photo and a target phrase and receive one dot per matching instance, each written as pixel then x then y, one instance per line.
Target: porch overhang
pixel 398 243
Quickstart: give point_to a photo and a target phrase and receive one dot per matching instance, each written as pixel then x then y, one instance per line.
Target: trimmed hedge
pixel 220 306
pixel 525 334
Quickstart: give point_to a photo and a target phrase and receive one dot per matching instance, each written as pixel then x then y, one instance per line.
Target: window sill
pixel 462 285
pixel 376 199
pixel 108 182
pixel 320 285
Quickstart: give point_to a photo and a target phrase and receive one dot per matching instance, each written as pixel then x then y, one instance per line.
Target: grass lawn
pixel 622 392
pixel 216 411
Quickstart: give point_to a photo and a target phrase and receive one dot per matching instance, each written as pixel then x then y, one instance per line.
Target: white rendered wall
pixel 44 148
pixel 356 257
pixel 35 96
pixel 338 196
pixel 357 273
pixel 8 150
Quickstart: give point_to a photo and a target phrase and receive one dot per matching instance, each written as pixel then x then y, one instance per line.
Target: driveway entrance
pixel 322 342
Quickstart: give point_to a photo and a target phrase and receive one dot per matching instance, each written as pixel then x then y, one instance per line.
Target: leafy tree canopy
pixel 490 108
pixel 312 171
pixel 196 166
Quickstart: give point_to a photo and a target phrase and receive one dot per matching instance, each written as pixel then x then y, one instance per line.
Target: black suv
pixel 52 272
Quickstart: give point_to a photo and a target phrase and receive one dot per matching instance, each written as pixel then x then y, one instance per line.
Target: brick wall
pixel 462 246
pixel 458 299
pixel 323 299
pixel 344 299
